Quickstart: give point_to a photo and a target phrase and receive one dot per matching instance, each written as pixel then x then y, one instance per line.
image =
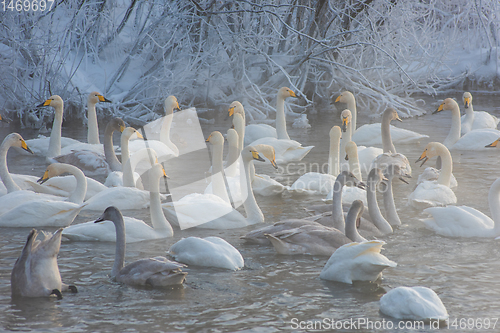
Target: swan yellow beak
pixel 208 139
pixel 122 128
pixel 46 103
pixel 467 102
pixel 177 106
pixel 273 163
pixel 337 99
pixel 292 94
pixel 44 178
pixel 231 111
pixel 25 146
pixel 423 157
pixel 440 108
pixel 256 156
pixel 103 99
pixel 398 119
pixel 493 144
pixel 164 173
pixel 139 135
pixel 345 121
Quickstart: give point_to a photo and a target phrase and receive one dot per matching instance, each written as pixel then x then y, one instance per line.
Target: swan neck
pixel 337 213
pixel 280 120
pixel 231 161
pixel 78 195
pixel 252 209
pixel 354 165
pixel 120 248
pixel 351 231
pixel 158 220
pixel 109 151
pixel 333 158
pixel 55 135
pixel 7 180
pixel 454 134
pixel 346 137
pixel 93 129
pixel 378 220
pixel 165 132
pixel 446 168
pixel 124 143
pixel 218 184
pixel 387 144
pixel 389 205
pixel 351 105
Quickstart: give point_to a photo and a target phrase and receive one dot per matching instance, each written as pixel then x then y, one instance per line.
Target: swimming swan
pixel 35 272
pixel 438 192
pixel 356 262
pixel 413 303
pixel 47 212
pixel 136 230
pixel 207 252
pixel 473 120
pixel 464 221
pixel 154 272
pixel 473 140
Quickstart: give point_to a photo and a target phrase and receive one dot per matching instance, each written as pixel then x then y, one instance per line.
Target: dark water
pixel 272 292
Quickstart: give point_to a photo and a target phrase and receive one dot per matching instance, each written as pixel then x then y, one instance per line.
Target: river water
pixel 272 292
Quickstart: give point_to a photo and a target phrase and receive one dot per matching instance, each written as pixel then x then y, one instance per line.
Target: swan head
pixel 268 152
pixel 55 169
pixel 335 133
pixel 347 177
pixel 249 153
pixel 375 176
pixel 171 104
pixel 128 132
pixel 116 124
pixel 285 92
pixel 345 97
pixel 393 170
pixel 392 114
pixel 156 173
pixel 232 137
pixel 112 214
pixel 95 97
pixel 493 144
pixel 215 138
pixel 432 149
pixel 236 107
pixel 351 149
pixel 16 140
pixel 448 104
pixel 346 117
pixel 467 96
pixel 55 101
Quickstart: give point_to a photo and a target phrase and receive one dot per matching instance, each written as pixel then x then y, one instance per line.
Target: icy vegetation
pixel 209 53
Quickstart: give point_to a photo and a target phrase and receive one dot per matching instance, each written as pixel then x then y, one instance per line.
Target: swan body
pixel 213 212
pixel 155 272
pixel 258 236
pixel 94 159
pixel 473 120
pixel 254 132
pixel 356 262
pixel 36 273
pixel 136 230
pixel 473 140
pixel 413 303
pixel 435 193
pixel 207 252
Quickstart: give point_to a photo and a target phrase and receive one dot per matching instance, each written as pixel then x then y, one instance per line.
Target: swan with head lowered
pixel 51 147
pixel 320 183
pixel 464 221
pixel 154 272
pixel 263 184
pixel 90 158
pixel 474 140
pixel 317 239
pixel 356 262
pixel 211 211
pixel 369 134
pixel 207 252
pixel 35 272
pixel 436 192
pixel 473 120
pixel 45 211
pixel 136 230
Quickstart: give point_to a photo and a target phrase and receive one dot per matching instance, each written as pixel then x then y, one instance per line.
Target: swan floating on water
pixel 473 120
pixel 35 272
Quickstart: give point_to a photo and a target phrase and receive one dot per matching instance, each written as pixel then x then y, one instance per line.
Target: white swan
pixel 93 128
pixel 317 239
pixel 254 132
pixel 89 157
pixel 210 211
pixel 36 273
pixel 316 182
pixel 51 147
pixel 473 120
pixel 474 140
pixel 464 221
pixel 356 262
pixel 435 193
pixel 413 303
pixel 136 230
pixel 207 252
pixel 154 272
pixel 365 154
pixel 46 212
pixel 13 182
pixel 164 147
pixel 369 134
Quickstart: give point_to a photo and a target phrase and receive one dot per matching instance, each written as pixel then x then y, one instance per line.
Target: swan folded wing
pixel 460 221
pixel 158 271
pixel 90 162
pixel 41 213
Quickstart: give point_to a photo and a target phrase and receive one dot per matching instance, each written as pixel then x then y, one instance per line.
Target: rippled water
pixel 272 291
